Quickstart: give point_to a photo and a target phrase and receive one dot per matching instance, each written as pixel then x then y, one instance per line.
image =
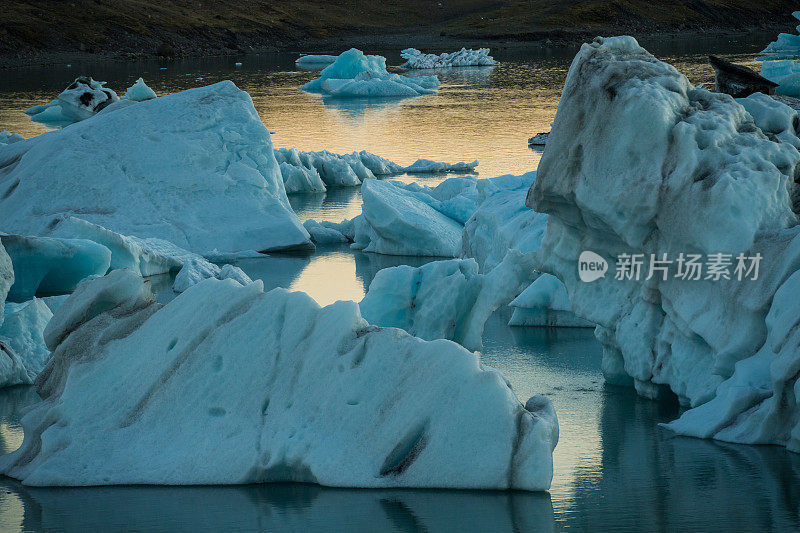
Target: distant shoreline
pixel 425 40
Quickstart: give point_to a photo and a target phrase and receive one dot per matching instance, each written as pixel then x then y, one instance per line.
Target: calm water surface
pixel 614 467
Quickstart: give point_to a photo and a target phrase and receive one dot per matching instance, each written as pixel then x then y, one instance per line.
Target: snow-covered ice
pixel 228 385
pixel 463 58
pixel 355 74
pixel 22 348
pixel 445 299
pixel 45 266
pixel 139 91
pixel 82 99
pixel 195 168
pixel 545 303
pixel 314 61
pixel 640 161
pixel 426 166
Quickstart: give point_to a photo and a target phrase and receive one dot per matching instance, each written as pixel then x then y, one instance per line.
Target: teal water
pixel 615 469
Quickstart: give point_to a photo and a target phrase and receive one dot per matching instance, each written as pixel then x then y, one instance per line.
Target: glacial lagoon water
pixel 614 467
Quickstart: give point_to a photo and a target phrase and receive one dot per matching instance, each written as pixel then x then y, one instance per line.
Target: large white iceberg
pixel 228 385
pixel 641 162
pixel 23 352
pixel 195 168
pixel 46 266
pixel 463 58
pixel 355 74
pixel 445 299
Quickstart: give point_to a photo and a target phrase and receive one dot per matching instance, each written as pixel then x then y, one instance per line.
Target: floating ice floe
pixel 315 171
pixel 194 168
pixel 312 61
pixel 354 74
pixel 6 137
pixel 228 385
pixel 540 139
pixel 781 62
pixel 318 171
pixel 22 348
pixel 641 162
pixel 463 58
pixel 139 92
pixel 545 303
pixel 445 299
pixel 426 166
pixel 398 221
pixel 45 266
pixel 82 99
pixel 324 232
pixel 196 270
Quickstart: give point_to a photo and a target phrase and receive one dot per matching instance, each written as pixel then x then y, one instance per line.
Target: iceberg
pixel 82 99
pixel 139 91
pixel 6 277
pixel 312 61
pixel 148 257
pixel 22 340
pixel 195 168
pixel 45 266
pixel 426 166
pixel 781 62
pixel 396 221
pixel 641 162
pixel 502 222
pixel 463 58
pixel 545 303
pixel 228 385
pixel 355 74
pixel 6 137
pixel 325 232
pixel 445 299
pixel 315 171
pixel 196 270
pixel 540 139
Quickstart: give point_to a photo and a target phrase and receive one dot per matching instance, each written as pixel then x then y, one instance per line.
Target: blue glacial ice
pixel 355 74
